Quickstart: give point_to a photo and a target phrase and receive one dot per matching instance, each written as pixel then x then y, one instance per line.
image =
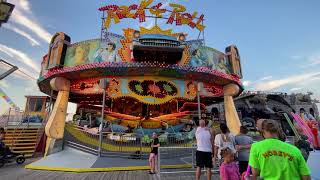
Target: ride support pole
pixel 198 97
pixel 101 124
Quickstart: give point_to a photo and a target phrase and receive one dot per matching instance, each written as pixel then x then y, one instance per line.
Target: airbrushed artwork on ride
pixel 145 90
pixel 210 90
pixel 93 51
pixel 157 89
pixel 135 43
pixel 203 56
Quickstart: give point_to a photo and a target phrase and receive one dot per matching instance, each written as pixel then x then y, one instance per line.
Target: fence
pixel 175 160
pixel 11 117
pixel 124 144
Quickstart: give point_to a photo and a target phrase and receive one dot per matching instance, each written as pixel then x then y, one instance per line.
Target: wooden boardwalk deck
pixel 16 172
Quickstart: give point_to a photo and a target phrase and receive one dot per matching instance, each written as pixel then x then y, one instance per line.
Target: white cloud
pixel 22 33
pixel 295 79
pixel 20 18
pixel 246 83
pixel 20 56
pixel 24 4
pixel 295 89
pixel 4 84
pixel 8 54
pixel 33 89
pixel 314 60
pixel 265 78
pixel 23 16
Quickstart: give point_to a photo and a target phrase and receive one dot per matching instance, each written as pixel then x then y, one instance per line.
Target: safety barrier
pixel 129 145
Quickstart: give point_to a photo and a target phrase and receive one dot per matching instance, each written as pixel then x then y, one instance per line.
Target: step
pixel 24 151
pixel 20 144
pixel 16 138
pixel 21 132
pixel 19 140
pixel 27 129
pixel 24 147
pixel 21 136
pixel 21 128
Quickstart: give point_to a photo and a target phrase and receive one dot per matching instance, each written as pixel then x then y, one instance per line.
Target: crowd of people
pixel 237 156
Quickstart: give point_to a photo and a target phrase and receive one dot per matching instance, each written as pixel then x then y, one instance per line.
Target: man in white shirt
pixel 204 137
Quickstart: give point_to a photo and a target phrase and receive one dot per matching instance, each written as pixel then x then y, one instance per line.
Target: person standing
pixel 273 159
pixel 243 144
pixel 204 137
pixel 223 140
pixel 154 153
pixel 229 169
pixel 2 134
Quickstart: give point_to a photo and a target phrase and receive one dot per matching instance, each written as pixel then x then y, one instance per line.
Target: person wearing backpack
pixel 222 141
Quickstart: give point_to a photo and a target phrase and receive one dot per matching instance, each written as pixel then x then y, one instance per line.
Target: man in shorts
pixel 154 153
pixel 205 139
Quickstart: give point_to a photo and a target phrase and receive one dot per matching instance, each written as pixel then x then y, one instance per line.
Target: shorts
pixel 243 165
pixel 204 159
pixel 153 155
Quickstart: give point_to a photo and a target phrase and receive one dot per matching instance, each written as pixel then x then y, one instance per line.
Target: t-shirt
pixel 204 142
pixel 219 142
pixel 229 171
pixel 155 149
pixel 243 154
pixel 277 160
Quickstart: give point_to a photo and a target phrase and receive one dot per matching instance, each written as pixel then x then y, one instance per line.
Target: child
pixel 228 169
pixel 154 153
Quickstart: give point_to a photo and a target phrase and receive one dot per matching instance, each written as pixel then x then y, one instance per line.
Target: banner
pixel 7 99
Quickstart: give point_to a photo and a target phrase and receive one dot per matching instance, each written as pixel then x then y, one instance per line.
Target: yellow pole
pixel 55 126
pixel 231 115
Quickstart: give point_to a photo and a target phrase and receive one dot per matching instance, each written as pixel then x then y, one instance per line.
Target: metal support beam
pixel 11 70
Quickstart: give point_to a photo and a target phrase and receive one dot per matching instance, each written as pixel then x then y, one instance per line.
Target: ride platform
pixel 73 160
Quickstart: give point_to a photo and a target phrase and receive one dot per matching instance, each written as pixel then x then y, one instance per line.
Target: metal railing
pixel 40 132
pixel 82 147
pixel 11 117
pixel 21 126
pixel 130 145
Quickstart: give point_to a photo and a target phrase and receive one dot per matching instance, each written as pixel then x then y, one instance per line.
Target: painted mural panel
pixel 203 56
pixel 149 90
pixel 93 51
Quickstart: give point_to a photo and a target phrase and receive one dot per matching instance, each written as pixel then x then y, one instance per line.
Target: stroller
pixel 7 156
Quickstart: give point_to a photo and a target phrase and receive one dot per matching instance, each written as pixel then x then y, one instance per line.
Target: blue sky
pixel 278 40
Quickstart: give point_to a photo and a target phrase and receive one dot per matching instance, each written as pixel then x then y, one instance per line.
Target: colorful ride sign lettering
pixel 177 14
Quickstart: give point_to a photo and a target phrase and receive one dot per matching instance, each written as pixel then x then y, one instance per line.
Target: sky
pixel 278 41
